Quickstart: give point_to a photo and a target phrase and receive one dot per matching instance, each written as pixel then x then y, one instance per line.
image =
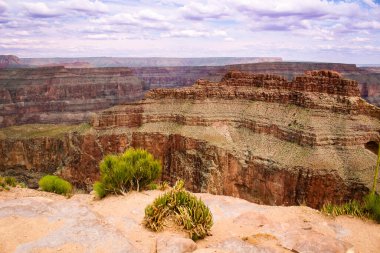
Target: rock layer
pixel 259 137
pixel 60 95
pixel 254 136
pixel 57 94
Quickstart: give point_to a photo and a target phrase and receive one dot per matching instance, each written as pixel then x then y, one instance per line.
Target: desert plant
pixel 153 186
pixel 6 182
pixel 189 212
pixel 55 184
pixel 163 186
pixel 11 181
pixel 352 207
pixel 372 205
pixel 134 169
pixel 99 189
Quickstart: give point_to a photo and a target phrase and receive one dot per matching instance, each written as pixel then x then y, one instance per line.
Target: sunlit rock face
pixel 259 137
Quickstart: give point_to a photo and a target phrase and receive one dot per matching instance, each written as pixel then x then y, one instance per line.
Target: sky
pixel 296 30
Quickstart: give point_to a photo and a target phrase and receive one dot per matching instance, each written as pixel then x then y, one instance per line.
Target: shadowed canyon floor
pixel 33 221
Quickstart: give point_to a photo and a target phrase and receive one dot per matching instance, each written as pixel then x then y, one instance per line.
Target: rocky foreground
pixel 33 221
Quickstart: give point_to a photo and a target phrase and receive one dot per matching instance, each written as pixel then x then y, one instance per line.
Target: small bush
pixel 153 186
pixel 11 181
pixel 372 206
pixel 134 169
pixel 55 184
pixel 6 182
pixel 189 212
pixel 99 189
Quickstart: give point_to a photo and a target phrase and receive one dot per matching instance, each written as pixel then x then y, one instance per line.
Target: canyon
pixel 260 137
pixel 73 95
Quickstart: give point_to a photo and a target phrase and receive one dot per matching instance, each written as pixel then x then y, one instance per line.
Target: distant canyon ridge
pixel 72 90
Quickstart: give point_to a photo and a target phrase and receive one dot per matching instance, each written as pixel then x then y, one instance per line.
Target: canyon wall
pixel 60 95
pixel 255 136
pixel 259 137
pixel 67 95
pixel 168 77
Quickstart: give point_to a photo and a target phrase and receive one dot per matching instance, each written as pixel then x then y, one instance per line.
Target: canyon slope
pixel 62 95
pixel 259 137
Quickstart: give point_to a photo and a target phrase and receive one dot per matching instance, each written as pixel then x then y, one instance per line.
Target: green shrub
pixel 11 181
pixel 99 189
pixel 55 184
pixel 6 182
pixel 372 206
pixel 134 169
pixel 189 212
pixel 153 186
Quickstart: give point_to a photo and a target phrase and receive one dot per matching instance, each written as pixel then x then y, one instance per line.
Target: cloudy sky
pixel 307 30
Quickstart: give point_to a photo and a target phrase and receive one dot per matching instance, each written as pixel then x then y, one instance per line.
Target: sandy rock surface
pixel 33 221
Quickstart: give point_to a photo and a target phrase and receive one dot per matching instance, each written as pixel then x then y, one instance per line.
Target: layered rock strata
pixel 254 136
pixel 57 94
pixel 61 95
pixel 259 137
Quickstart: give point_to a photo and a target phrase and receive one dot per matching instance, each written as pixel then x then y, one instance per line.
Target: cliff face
pixel 163 77
pixel 258 137
pixel 57 94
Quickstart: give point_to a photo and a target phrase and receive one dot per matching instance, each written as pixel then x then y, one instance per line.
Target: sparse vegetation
pixel 372 206
pixel 189 212
pixel 7 182
pixel 353 208
pixel 368 208
pixel 134 169
pixel 55 184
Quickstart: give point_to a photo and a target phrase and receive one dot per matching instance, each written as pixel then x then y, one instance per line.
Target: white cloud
pixel 190 33
pixel 360 39
pixel 293 29
pixel 143 19
pixel 87 6
pixel 200 10
pixel 41 10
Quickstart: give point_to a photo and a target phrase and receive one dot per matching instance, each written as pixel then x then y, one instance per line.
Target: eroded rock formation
pixel 60 95
pixel 254 136
pixel 259 137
